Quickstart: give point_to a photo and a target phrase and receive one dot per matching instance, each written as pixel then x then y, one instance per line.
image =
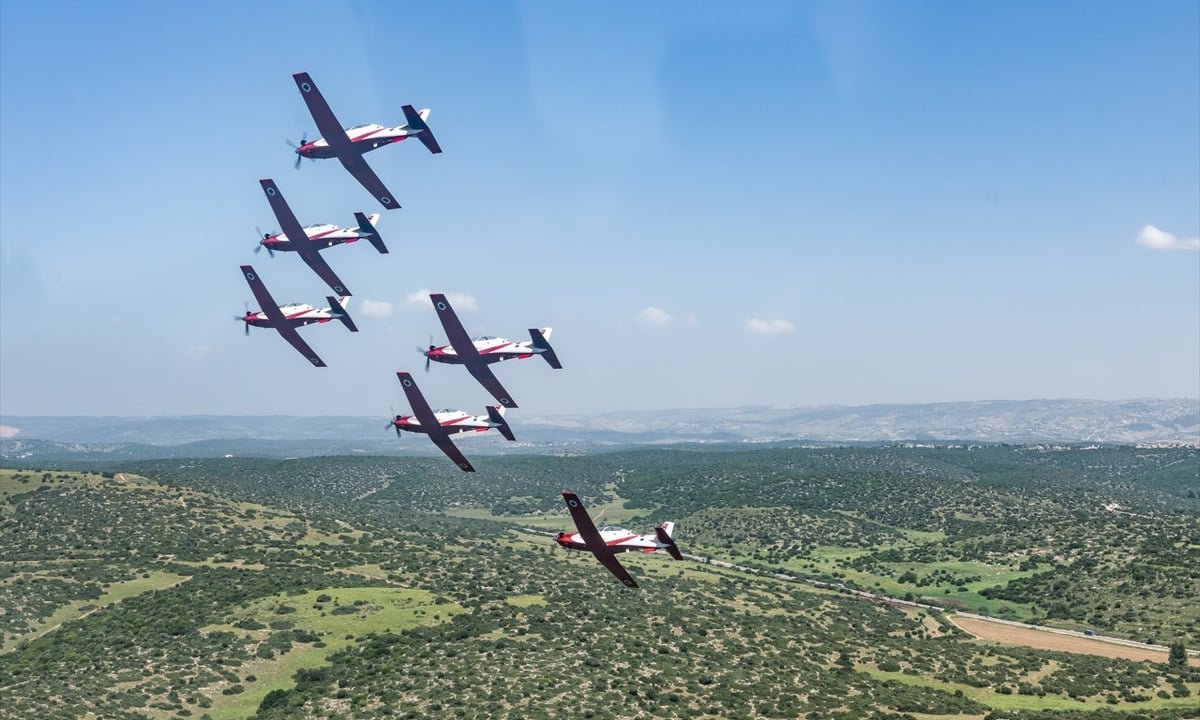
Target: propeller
pixel 242 318
pixel 294 146
pixel 425 352
pixel 392 422
pixel 260 245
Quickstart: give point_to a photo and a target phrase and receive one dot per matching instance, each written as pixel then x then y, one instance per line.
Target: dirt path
pixel 1048 640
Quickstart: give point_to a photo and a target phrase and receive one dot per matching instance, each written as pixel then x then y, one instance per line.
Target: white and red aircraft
pixel 310 253
pixel 326 235
pixel 478 353
pixel 349 145
pixel 605 542
pixel 440 425
pixel 286 318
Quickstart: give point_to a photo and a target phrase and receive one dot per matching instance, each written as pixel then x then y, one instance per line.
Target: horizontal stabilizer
pixel 496 415
pixel 547 352
pixel 664 536
pixel 418 128
pixel 337 308
pixel 366 226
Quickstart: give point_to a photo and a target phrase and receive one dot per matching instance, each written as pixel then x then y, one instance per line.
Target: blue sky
pixel 786 204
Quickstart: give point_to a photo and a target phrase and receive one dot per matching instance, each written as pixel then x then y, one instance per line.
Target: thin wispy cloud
pixel 1155 239
pixel 419 300
pixel 376 308
pixel 201 351
pixel 654 317
pixel 769 327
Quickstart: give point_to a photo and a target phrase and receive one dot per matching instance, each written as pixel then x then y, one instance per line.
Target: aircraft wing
pixel 447 446
pixel 331 130
pixel 289 333
pixel 362 172
pixel 457 334
pixel 591 536
pixel 271 310
pixel 488 380
pixel 429 422
pixel 314 260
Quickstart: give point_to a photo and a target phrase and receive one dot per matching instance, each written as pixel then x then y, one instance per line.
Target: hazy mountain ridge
pixel 1124 421
pixel 1026 421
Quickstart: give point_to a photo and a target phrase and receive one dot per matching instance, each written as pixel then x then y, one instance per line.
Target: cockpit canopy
pixel 613 528
pixel 484 337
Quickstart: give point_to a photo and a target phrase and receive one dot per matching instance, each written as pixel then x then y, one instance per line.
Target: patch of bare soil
pixel 1047 640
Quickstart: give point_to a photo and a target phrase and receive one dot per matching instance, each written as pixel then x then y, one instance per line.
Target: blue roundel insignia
pixel 407 383
pixel 441 306
pixel 573 503
pixel 305 87
pixel 505 401
pixel 271 191
pixel 385 200
pixel 249 276
pixel 339 289
pixel 464 465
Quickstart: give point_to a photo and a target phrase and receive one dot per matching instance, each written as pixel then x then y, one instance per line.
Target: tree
pixel 1177 654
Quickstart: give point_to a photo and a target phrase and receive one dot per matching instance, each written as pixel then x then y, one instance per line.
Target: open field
pixel 1049 640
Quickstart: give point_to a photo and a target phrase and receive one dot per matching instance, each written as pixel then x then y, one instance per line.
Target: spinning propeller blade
pixel 242 318
pixel 294 146
pixel 262 236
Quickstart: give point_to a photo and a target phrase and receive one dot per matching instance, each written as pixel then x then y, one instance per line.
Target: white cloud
pixel 198 352
pixel 653 316
pixel 376 308
pixel 769 327
pixel 419 300
pixel 1156 239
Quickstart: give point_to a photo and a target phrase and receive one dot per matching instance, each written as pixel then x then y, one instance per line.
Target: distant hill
pixel 1024 421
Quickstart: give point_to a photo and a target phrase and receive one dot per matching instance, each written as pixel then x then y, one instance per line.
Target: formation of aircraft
pixel 477 353
pixel 348 145
pixel 440 425
pixel 325 235
pixel 286 318
pixel 607 541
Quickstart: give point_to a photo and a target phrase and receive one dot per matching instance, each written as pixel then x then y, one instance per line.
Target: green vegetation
pixel 370 587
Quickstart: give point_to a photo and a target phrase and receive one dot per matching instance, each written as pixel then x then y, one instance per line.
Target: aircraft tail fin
pixel 366 226
pixel 337 308
pixel 665 533
pixel 418 128
pixel 541 341
pixel 496 415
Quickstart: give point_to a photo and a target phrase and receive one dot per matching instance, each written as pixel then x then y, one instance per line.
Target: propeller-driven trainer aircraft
pixel 326 235
pixel 310 253
pixel 349 145
pixel 480 352
pixel 441 425
pixel 605 542
pixel 285 319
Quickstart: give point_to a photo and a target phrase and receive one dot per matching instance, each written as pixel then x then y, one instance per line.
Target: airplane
pixel 349 145
pixel 285 319
pixel 605 542
pixel 480 352
pixel 310 253
pixel 441 425
pixel 326 235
